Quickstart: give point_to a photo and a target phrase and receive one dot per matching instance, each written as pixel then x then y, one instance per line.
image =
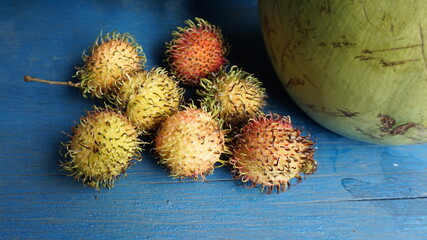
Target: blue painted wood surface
pixel 361 191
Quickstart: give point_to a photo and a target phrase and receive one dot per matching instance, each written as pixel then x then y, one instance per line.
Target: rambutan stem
pixel 28 78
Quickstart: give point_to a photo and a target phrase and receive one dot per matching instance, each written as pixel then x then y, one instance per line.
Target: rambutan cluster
pixel 225 125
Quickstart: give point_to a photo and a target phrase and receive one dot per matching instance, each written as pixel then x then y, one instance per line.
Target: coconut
pixel 357 68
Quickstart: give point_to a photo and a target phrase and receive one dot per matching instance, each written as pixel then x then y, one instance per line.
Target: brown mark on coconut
pixel 322 44
pixel 386 121
pixel 422 46
pixel 343 43
pixel 335 113
pixel 268 29
pixel 285 52
pixel 364 58
pixel 368 54
pixel 401 129
pixel 366 14
pixel 387 124
pixel 309 81
pixel 294 81
pixel 394 63
pixel 320 109
pixel 421 133
pixel 367 51
pixel 325 7
pixel 346 113
pixel 302 27
pixel 368 135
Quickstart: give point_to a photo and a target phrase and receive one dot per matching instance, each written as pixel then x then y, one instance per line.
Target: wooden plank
pixel 333 188
pixel 361 191
pixel 213 218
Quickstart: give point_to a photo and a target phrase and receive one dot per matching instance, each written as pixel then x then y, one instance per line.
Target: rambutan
pixel 270 152
pixel 102 147
pixel 149 97
pixel 111 57
pixel 189 143
pixel 196 51
pixel 235 94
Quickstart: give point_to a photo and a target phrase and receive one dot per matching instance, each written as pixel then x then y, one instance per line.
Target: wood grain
pixel 361 191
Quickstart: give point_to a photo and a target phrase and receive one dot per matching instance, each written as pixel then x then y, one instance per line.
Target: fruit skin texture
pixel 196 51
pixel 111 57
pixel 103 145
pixel 354 67
pixel 189 143
pixel 234 94
pixel 149 97
pixel 270 152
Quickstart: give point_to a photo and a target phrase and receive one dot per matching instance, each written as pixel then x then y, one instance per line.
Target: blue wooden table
pixel 360 191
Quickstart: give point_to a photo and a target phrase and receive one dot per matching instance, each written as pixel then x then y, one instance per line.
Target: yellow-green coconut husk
pixel 359 68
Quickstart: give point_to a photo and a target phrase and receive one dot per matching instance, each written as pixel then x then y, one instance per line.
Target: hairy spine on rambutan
pixel 235 94
pixel 196 51
pixel 190 143
pixel 270 152
pixel 111 57
pixel 102 147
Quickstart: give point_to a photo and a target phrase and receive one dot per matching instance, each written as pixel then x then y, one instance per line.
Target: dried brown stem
pixel 28 78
